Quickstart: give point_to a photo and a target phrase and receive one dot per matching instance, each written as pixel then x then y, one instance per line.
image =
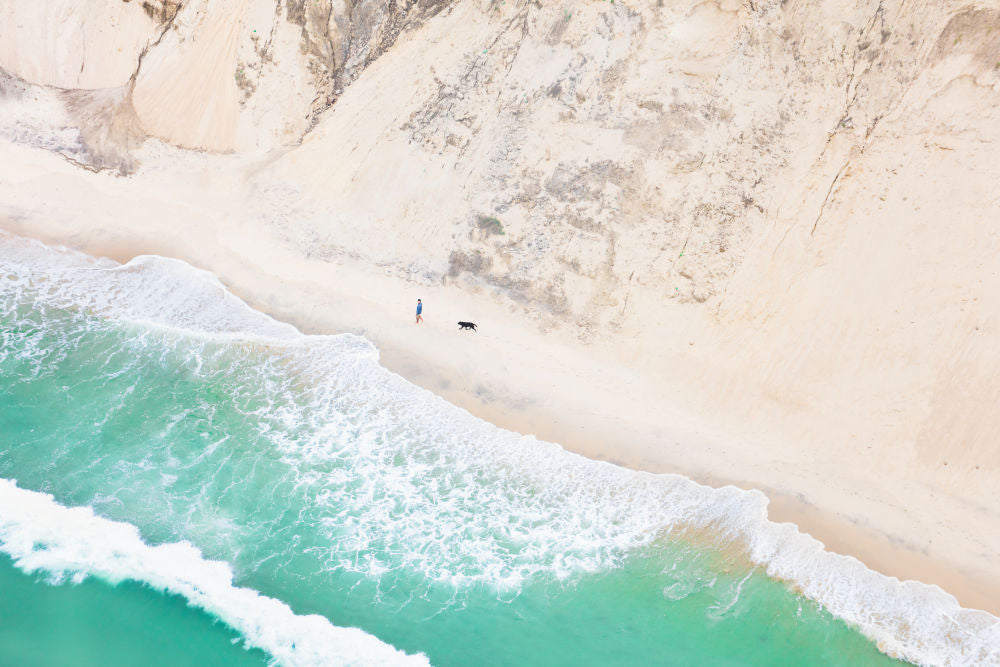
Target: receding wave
pixel 42 535
pixel 422 485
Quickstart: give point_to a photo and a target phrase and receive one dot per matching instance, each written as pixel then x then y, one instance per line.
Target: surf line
pixel 73 543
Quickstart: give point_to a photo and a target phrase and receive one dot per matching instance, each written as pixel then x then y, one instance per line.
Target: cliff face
pixel 573 153
pixel 566 157
pixel 785 206
pixel 220 76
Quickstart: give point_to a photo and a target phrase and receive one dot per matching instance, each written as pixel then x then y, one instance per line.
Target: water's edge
pixel 914 621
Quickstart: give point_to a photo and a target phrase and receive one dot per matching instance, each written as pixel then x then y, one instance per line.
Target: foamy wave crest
pixel 42 535
pixel 148 289
pixel 394 478
pixel 906 619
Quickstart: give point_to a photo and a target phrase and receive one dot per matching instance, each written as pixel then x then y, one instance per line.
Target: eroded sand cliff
pixel 773 225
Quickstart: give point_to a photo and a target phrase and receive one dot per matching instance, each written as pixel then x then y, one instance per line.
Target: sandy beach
pixel 629 402
pixel 837 351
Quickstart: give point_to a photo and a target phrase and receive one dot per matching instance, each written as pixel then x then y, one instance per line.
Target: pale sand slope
pixel 752 243
pixel 56 44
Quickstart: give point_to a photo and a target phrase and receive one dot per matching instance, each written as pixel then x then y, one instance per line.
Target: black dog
pixel 467 325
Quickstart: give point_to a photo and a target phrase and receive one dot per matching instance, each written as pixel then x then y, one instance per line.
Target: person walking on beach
pixel 420 309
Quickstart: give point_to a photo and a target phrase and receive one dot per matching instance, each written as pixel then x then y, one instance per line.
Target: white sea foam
pixel 42 535
pixel 507 507
pixel 148 289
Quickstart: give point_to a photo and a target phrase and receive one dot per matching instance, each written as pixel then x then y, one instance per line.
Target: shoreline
pixel 605 425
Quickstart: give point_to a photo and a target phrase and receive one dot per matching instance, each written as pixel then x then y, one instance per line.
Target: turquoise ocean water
pixel 186 481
